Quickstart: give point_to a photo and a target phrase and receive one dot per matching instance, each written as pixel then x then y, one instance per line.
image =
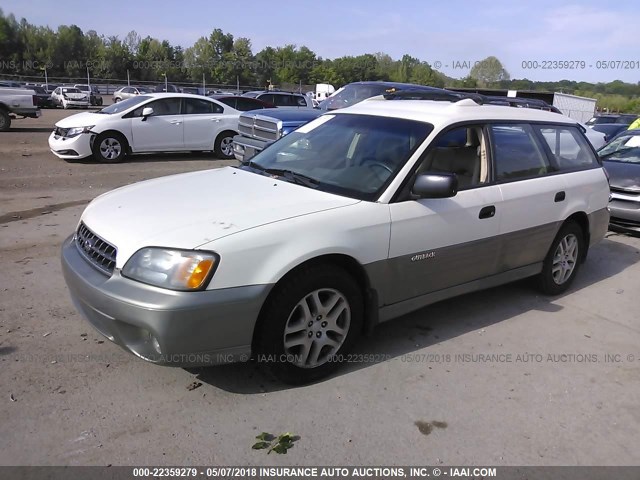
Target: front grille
pixel 260 128
pixel 97 251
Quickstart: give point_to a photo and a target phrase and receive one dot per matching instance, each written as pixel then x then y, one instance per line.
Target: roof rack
pixel 442 96
pixel 480 99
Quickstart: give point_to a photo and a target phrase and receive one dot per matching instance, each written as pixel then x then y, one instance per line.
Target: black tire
pixel 561 264
pixel 223 148
pixel 5 121
pixel 110 147
pixel 283 312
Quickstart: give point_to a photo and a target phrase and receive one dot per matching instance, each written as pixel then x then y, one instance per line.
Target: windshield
pixel 70 90
pixel 625 148
pixel 124 105
pixel 351 155
pixel 84 88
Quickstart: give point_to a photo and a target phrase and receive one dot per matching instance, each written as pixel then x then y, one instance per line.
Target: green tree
pixel 489 71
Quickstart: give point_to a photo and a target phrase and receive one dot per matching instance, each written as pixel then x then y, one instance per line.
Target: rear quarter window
pixel 569 149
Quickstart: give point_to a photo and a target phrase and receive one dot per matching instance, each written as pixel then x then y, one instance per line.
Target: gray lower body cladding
pixel 189 328
pixel 405 284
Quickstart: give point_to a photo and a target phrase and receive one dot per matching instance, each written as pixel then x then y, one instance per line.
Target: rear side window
pixel 568 148
pixel 516 153
pixel 195 106
pixel 246 104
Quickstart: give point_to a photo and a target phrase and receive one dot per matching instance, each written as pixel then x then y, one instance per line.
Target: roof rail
pixel 442 96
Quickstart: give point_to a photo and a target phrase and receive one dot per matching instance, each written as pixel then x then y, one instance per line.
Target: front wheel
pixel 309 323
pixel 109 147
pixel 562 263
pixel 224 146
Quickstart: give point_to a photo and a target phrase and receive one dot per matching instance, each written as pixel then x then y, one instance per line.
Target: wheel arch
pixel 582 219
pixel 116 132
pixel 352 267
pixel 222 134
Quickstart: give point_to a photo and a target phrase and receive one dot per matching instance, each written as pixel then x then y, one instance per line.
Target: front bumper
pixel 245 148
pixel 625 212
pixel 73 148
pixel 76 103
pixel 164 326
pixel 27 112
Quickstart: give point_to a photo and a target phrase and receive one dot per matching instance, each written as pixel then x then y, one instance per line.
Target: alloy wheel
pixel 317 327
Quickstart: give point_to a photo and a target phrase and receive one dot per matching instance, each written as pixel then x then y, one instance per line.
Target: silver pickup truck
pixel 17 103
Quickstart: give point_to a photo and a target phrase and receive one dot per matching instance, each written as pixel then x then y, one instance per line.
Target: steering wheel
pixel 376 163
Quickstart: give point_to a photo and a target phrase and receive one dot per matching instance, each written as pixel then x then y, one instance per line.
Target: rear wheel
pixel 310 321
pixel 5 121
pixel 109 147
pixel 224 145
pixel 562 263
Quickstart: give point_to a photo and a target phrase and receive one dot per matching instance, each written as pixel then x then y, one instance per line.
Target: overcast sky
pixel 442 33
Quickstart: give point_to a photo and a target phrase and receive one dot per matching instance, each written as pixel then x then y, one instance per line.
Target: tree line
pixel 26 50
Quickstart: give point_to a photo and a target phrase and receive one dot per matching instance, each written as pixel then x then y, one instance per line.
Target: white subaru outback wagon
pixel 358 217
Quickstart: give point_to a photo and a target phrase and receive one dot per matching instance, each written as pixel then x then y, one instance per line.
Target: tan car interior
pixel 467 160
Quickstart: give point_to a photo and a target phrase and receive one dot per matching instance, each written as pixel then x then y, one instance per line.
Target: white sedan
pixel 67 97
pixel 157 122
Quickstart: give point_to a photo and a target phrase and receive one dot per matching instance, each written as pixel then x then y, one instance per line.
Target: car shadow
pixel 31 129
pixel 161 158
pixel 437 323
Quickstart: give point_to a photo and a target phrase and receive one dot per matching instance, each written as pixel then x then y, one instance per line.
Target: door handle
pixel 560 196
pixel 487 212
pixel 175 122
pixel 217 120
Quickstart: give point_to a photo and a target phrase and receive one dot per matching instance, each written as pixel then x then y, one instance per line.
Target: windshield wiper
pixel 291 176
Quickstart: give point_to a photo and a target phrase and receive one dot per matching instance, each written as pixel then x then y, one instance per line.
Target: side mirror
pixel 146 112
pixel 435 185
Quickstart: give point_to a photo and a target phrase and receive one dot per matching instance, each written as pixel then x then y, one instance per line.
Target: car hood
pixel 623 175
pixel 82 120
pixel 192 209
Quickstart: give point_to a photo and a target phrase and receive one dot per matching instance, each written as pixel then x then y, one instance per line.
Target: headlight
pixel 75 131
pixel 184 270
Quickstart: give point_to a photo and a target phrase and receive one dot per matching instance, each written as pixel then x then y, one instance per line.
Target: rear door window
pixel 516 153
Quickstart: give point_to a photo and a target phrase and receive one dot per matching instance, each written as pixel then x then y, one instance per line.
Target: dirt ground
pixel 500 377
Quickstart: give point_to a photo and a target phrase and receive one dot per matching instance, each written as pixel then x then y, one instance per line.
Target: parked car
pixel 129 92
pixel 621 160
pixel 243 104
pixel 358 217
pixel 94 94
pixel 624 119
pixel 69 97
pixel 281 99
pixel 49 87
pixel 193 90
pixel 11 84
pixel 259 129
pixel 609 130
pixel 169 88
pixel 153 122
pixel 43 97
pixel 17 103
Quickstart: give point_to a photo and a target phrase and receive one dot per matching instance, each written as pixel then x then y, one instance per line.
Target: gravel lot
pixel 429 395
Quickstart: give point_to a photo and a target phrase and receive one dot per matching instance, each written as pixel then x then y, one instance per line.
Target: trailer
pixel 580 109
